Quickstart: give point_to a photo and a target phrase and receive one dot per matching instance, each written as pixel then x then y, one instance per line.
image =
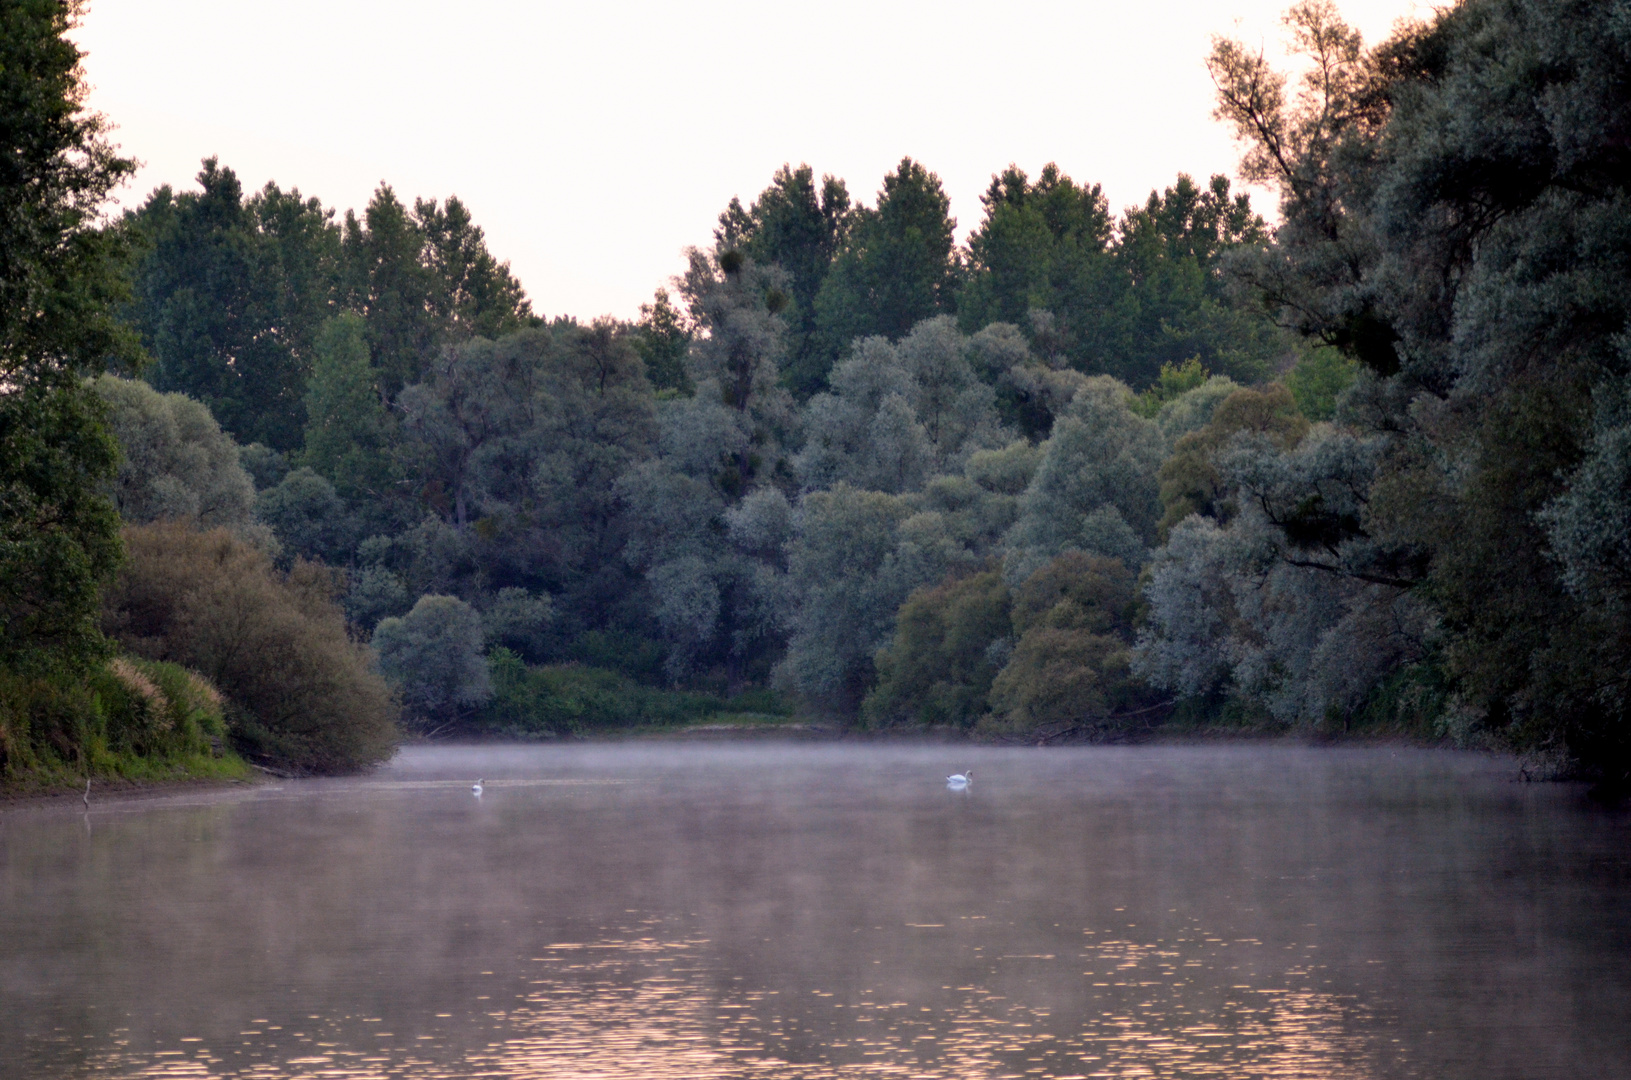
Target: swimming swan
pixel 476 787
pixel 960 779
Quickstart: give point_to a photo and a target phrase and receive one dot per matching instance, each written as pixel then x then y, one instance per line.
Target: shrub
pixel 434 656
pixel 562 699
pixel 300 692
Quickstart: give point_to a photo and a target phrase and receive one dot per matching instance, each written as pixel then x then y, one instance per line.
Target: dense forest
pixel 1086 475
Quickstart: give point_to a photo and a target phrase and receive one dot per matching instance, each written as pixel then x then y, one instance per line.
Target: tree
pixel 1453 219
pixel 176 464
pixel 518 445
pixel 1191 480
pixel 1170 254
pixel 799 229
pixel 947 647
pixel 898 415
pixel 1071 667
pixel 59 288
pixel 350 436
pixel 1095 489
pixel 720 456
pixel 662 339
pixel 472 294
pixel 229 296
pixel 386 282
pixel 1117 297
pixel 308 517
pixel 896 268
pixel 1312 146
pixel 1038 245
pixel 845 564
pixel 423 279
pixel 434 655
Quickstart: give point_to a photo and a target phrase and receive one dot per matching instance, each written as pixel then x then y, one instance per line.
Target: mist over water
pixel 789 911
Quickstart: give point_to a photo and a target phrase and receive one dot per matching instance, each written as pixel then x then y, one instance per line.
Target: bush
pixel 300 693
pixel 563 699
pixel 434 656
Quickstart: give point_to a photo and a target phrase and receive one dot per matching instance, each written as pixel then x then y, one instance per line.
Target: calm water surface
pixel 771 912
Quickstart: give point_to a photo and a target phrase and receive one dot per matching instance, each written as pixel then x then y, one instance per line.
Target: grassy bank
pixel 125 721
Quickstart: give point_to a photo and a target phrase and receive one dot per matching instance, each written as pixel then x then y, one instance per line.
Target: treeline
pixel 1085 474
pixel 738 491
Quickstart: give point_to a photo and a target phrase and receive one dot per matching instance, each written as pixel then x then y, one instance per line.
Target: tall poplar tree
pixel 897 267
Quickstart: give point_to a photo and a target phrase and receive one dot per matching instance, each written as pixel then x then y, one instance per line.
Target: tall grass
pixel 127 718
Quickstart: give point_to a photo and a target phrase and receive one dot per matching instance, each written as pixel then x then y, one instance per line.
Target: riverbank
pixel 35 791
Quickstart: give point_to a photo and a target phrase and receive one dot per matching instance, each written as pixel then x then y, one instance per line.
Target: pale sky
pixel 594 141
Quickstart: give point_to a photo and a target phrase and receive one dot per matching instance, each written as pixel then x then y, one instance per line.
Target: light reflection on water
pixel 771 913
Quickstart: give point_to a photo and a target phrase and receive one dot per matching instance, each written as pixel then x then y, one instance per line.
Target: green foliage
pixel 662 339
pixel 1193 409
pixel 1040 246
pixel 265 466
pixel 938 667
pixel 232 295
pixel 433 655
pixel 845 562
pixel 299 692
pixel 798 229
pixel 229 295
pixel 1174 381
pixel 896 267
pixel 1008 471
pixel 58 272
pixel 1454 221
pixel 1191 481
pixel 59 535
pixel 897 415
pixel 1071 668
pixel 349 434
pixel 1120 298
pixel 1095 489
pixel 1318 380
pixel 176 462
pixel 128 719
pixel 517 446
pixel 57 289
pixel 59 285
pixel 423 279
pixel 306 515
pixel 570 699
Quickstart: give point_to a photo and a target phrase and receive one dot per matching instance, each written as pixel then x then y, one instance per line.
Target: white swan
pixel 960 779
pixel 476 787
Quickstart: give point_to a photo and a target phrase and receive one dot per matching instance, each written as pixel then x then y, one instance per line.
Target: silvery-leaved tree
pixel 1453 207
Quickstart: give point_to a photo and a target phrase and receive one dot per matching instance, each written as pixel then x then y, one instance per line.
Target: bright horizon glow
pixel 593 143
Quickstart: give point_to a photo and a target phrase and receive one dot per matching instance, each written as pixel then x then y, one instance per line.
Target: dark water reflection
pixel 697 911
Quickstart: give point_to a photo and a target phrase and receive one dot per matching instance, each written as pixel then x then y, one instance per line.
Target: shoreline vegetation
pixel 281 487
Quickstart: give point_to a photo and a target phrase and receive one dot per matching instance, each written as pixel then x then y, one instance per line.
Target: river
pixel 772 911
